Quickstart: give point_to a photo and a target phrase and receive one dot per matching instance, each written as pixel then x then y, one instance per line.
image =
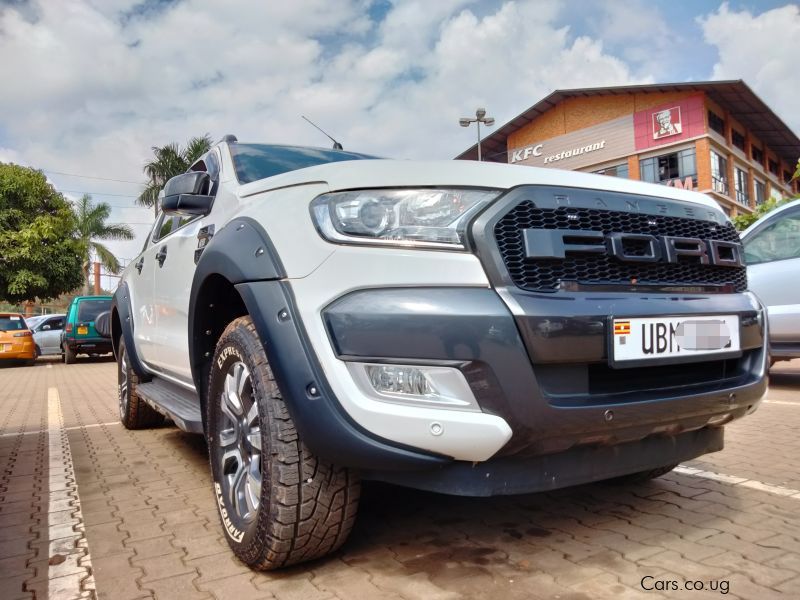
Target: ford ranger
pixel 325 317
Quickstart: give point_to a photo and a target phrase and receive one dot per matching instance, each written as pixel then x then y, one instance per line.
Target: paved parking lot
pixel 88 508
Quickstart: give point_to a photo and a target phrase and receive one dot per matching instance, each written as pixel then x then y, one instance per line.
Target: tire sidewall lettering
pixel 229 353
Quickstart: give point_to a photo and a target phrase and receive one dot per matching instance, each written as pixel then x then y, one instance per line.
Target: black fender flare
pixel 121 305
pixel 244 256
pixel 241 251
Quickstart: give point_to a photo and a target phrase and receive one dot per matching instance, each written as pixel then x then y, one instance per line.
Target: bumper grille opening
pixel 597 383
pixel 546 275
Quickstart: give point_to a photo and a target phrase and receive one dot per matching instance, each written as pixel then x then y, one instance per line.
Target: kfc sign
pixel 667 122
pixel 537 150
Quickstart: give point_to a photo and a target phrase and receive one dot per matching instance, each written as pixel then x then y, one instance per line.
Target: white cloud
pixel 90 90
pixel 761 49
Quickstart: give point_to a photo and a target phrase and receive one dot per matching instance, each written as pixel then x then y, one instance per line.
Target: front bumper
pixel 544 370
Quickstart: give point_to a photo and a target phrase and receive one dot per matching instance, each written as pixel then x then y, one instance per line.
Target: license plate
pixel 654 338
pixel 83 330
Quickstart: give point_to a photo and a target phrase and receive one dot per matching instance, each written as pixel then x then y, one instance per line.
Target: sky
pixel 90 86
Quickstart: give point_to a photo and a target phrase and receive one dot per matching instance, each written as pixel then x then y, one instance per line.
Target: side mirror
pixel 187 194
pixel 45 327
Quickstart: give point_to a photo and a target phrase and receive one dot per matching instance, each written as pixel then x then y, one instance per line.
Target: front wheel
pixel 278 503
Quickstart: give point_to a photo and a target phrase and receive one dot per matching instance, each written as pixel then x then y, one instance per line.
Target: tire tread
pixel 312 503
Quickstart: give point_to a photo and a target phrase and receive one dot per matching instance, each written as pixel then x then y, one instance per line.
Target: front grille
pixel 547 274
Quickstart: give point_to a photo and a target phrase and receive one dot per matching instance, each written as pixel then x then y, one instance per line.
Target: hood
pixel 359 174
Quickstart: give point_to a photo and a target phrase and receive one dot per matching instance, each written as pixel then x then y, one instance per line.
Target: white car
pixel 772 252
pixel 47 335
pixel 324 317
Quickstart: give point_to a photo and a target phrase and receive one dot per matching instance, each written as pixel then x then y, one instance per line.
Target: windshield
pixel 258 161
pixel 89 309
pixel 12 323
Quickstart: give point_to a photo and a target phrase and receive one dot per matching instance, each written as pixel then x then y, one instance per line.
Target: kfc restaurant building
pixel 718 138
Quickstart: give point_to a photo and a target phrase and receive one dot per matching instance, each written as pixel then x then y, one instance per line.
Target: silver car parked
pixel 47 335
pixel 772 251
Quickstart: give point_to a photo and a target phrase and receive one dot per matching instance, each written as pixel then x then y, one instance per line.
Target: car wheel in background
pixel 278 503
pixel 70 355
pixel 134 413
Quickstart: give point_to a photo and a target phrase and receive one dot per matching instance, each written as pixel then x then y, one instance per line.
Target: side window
pixel 165 225
pixel 56 324
pixel 778 241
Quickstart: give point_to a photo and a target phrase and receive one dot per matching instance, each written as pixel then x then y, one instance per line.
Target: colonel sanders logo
pixel 667 122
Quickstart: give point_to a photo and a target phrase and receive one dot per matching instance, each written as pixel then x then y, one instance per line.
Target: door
pixel 140 284
pixel 48 335
pixel 773 272
pixel 173 284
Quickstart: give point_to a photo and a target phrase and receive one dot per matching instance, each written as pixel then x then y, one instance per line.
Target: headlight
pixel 433 218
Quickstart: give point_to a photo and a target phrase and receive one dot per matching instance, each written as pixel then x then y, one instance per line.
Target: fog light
pixel 438 387
pixel 390 379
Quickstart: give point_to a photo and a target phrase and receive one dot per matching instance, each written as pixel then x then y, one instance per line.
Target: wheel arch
pixel 122 328
pixel 241 251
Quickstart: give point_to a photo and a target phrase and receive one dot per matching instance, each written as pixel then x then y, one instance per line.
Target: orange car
pixel 16 340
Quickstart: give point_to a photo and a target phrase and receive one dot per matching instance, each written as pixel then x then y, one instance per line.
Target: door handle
pixel 139 265
pixel 161 256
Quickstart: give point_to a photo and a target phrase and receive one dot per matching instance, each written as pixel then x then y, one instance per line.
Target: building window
pixel 615 171
pixel 716 122
pixel 757 154
pixel 737 139
pixel 664 168
pixel 761 191
pixel 787 177
pixel 773 167
pixel 719 173
pixel 741 185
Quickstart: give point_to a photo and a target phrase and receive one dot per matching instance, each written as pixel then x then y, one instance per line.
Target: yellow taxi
pixel 16 340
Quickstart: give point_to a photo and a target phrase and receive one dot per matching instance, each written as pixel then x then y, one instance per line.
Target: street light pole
pixel 480 117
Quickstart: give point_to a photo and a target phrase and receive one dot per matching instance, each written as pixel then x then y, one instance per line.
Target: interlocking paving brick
pixel 290 586
pixel 163 566
pixel 235 587
pixel 217 566
pixel 153 528
pixel 180 586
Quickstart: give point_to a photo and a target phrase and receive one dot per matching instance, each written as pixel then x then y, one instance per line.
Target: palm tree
pixel 169 161
pixel 90 223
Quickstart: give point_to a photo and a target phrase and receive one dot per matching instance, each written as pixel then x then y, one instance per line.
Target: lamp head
pixel 489 121
pixel 480 113
pixel 464 122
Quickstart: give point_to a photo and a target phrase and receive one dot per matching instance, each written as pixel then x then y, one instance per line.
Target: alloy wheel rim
pixel 240 443
pixel 123 384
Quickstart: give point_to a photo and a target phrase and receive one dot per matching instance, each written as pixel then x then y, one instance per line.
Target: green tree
pixel 90 226
pixel 169 161
pixel 39 256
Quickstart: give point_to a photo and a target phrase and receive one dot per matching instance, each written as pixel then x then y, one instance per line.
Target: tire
pixel 70 357
pixel 279 505
pixel 644 476
pixel 37 352
pixel 134 413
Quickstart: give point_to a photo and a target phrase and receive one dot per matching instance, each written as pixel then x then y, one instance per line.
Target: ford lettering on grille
pixel 631 247
pixel 550 249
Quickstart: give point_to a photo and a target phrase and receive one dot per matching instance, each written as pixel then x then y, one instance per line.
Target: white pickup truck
pixel 324 317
